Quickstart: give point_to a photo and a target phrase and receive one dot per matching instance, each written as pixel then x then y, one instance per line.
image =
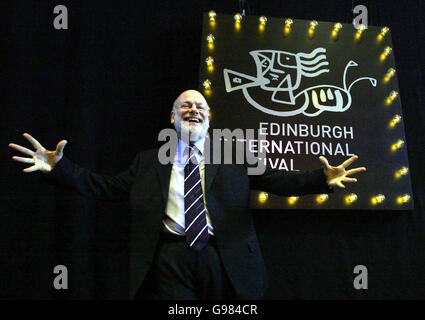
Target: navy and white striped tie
pixel 194 209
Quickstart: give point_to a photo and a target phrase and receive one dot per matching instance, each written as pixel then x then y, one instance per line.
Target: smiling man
pixel 190 115
pixel 191 225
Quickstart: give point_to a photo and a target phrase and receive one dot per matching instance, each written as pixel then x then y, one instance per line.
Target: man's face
pixel 191 117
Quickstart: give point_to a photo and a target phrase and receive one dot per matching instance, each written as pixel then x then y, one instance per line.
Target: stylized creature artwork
pixel 280 73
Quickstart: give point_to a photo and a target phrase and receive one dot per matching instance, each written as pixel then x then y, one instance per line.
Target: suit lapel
pixel 210 172
pixel 164 174
pixel 210 168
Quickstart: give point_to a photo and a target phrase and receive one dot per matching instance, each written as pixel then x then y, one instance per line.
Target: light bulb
pixel 207 84
pixel 387 51
pixel 397 145
pixel 335 31
pixel 401 172
pixel 210 39
pixel 313 24
pixel 263 20
pixel 396 119
pixel 262 197
pixel 292 200
pixel 212 15
pixel 403 199
pixel 322 198
pixel 390 73
pixel 359 32
pixel 350 198
pixel 393 95
pixel 209 61
pixel 384 31
pixel 378 199
pixel 288 22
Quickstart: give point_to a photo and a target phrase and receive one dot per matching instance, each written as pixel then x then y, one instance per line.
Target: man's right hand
pixel 42 159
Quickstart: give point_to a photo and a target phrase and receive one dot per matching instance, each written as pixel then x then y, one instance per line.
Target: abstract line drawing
pixel 281 72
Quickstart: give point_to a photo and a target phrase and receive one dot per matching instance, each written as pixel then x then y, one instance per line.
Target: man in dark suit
pixel 191 223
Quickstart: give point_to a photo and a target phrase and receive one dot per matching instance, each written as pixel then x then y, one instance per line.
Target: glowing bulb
pixel 403 199
pixel 212 15
pixel 322 198
pixel 359 32
pixel 387 51
pixel 262 25
pixel 313 24
pixel 207 84
pixel 402 172
pixel 209 61
pixel 390 73
pixel 262 197
pixel 337 27
pixel 237 17
pixel 397 145
pixel 350 198
pixel 312 28
pixel 292 200
pixel 393 95
pixel 210 39
pixel 378 199
pixel 396 119
pixel 288 22
pixel 335 31
pixel 384 31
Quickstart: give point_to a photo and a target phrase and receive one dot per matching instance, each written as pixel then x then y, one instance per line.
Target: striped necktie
pixel 194 209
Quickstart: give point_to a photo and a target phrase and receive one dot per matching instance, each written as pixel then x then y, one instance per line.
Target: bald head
pixel 192 96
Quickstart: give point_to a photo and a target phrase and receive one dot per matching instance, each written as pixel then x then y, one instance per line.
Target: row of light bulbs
pixel 313 24
pixel 349 199
pixel 396 118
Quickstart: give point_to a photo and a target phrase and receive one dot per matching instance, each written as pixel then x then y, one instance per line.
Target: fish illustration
pixel 280 73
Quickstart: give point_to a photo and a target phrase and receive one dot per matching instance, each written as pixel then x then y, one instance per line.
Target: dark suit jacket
pixel 227 191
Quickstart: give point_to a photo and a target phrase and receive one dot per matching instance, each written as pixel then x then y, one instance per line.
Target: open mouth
pixel 193 120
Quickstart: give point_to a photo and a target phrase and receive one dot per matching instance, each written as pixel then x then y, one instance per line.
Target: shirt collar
pixel 199 145
pixel 182 153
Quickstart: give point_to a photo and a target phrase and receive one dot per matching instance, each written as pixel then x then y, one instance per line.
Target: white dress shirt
pixel 174 221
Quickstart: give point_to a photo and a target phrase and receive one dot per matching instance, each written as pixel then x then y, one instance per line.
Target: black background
pixel 107 86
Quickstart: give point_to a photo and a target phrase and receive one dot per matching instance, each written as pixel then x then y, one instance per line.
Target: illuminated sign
pixel 312 88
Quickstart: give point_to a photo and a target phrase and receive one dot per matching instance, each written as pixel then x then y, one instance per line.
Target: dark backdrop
pixel 107 85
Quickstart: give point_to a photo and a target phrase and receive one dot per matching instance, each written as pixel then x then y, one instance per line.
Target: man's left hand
pixel 335 176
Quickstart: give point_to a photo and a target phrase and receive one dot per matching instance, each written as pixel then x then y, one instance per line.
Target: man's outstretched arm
pixel 294 183
pixel 60 169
